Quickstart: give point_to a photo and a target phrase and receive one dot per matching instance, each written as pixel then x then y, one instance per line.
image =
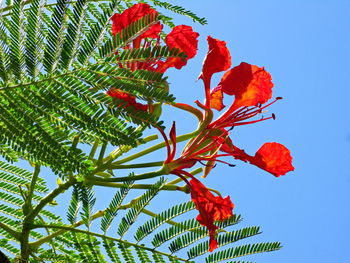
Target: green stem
pixel 9 230
pixel 125 148
pixel 34 245
pixel 102 153
pixel 137 165
pixel 158 146
pixel 127 178
pixel 142 186
pixel 28 201
pixel 94 149
pixel 194 172
pixel 67 228
pixel 47 199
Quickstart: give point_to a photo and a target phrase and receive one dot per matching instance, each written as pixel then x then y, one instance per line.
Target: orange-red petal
pixel 128 100
pixel 274 158
pixel 211 208
pixel 216 99
pixel 218 58
pixel 132 14
pixel 249 84
pixel 183 38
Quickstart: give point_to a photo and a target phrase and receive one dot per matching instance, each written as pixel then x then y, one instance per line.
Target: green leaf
pixel 137 207
pixel 149 226
pixel 243 250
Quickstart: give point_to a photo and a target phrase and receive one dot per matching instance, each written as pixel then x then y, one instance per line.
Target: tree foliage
pixel 57 61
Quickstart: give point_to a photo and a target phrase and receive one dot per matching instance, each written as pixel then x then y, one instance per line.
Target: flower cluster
pixel 181 37
pixel 250 85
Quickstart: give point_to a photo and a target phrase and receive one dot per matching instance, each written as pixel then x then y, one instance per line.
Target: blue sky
pixel 305 47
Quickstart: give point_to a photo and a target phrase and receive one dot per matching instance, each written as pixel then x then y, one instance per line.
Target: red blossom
pixel 274 158
pixel 251 87
pixel 211 208
pixel 216 99
pixel 218 59
pixel 132 14
pixel 127 99
pixel 183 38
pixel 249 84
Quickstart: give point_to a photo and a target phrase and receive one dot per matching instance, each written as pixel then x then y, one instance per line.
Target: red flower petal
pixel 211 208
pixel 184 38
pixel 218 58
pixel 127 98
pixel 250 84
pixel 120 95
pixel 216 99
pixel 132 14
pixel 274 158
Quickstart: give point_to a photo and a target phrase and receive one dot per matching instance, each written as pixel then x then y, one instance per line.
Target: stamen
pixel 208 165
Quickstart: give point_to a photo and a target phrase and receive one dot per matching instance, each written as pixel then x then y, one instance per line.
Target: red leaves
pixel 249 84
pixel 211 208
pixel 274 158
pixel 132 14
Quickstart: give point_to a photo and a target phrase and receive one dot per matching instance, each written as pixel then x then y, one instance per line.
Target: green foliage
pixel 112 209
pixel 53 69
pixel 161 218
pixel 57 60
pixel 137 206
pixel 243 250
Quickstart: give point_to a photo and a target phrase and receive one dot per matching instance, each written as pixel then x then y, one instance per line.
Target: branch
pixel 158 146
pixel 95 179
pixel 143 186
pixel 9 230
pixel 34 245
pixel 47 199
pixel 67 228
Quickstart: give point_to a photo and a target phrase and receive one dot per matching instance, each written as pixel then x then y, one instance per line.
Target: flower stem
pixel 95 179
pixel 137 165
pixel 158 146
pixel 141 186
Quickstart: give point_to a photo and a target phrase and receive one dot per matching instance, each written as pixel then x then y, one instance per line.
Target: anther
pixel 273 116
pixel 279 98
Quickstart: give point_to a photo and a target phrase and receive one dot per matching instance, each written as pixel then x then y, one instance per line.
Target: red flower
pixel 211 208
pixel 126 99
pixel 132 14
pixel 251 86
pixel 272 157
pixel 218 59
pixel 183 38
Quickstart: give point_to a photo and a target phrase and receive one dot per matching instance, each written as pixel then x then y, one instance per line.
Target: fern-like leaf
pixel 243 250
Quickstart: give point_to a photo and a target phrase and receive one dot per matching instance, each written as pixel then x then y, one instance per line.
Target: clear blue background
pixel 305 46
